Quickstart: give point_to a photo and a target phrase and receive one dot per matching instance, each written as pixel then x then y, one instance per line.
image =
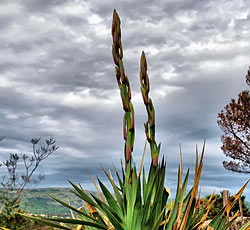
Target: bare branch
pixel 12 181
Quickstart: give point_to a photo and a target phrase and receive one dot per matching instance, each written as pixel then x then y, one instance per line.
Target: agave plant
pixel 138 201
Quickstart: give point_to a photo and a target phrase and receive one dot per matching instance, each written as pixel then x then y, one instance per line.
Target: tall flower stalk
pixel 125 91
pixel 150 124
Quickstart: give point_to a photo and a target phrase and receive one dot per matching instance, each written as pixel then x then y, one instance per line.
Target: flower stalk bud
pixel 125 91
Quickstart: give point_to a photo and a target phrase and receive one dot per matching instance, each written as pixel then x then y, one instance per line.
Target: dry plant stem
pixel 179 189
pixel 97 189
pixel 150 124
pixel 236 197
pixel 198 169
pixel 143 155
pixel 123 83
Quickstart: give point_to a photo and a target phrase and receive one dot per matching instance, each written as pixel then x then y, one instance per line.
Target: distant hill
pixel 38 201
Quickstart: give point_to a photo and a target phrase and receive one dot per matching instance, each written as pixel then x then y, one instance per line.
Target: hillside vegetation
pixel 38 201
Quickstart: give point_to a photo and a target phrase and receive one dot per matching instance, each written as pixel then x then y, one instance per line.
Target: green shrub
pixel 218 205
pixel 9 218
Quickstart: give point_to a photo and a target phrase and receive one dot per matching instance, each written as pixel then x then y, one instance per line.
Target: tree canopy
pixel 234 121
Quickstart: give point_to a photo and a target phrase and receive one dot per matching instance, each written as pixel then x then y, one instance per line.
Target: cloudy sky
pixel 57 80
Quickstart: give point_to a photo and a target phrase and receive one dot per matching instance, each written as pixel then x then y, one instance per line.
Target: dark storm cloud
pixel 57 79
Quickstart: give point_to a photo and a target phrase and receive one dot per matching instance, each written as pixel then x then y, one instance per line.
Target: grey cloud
pixel 44 6
pixel 61 54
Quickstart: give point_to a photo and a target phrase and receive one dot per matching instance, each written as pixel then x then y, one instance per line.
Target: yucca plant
pixel 139 202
